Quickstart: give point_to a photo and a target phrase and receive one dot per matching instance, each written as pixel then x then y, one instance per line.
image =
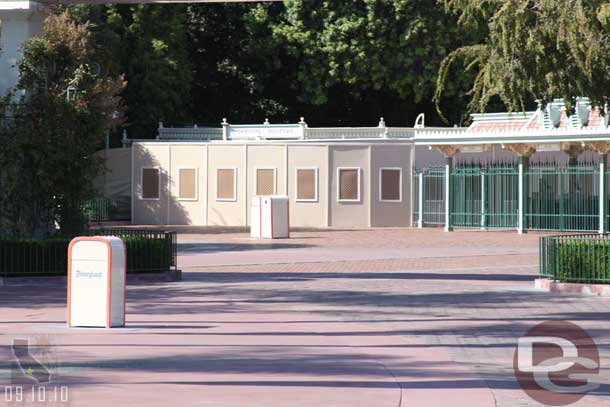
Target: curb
pixel 599 290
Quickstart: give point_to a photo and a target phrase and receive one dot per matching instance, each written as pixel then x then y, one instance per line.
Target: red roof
pixel 595 118
pixel 497 125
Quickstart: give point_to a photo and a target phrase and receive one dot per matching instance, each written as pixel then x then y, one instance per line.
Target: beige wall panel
pixel 390 213
pixel 191 211
pixel 308 214
pixel 349 214
pixel 266 156
pixel 116 181
pixel 148 155
pixel 226 213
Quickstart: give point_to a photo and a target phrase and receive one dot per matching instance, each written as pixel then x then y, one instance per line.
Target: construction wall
pixel 253 163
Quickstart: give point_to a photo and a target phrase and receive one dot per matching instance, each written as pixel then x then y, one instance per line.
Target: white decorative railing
pixel 344 133
pixel 190 133
pixel 298 131
pixel 531 136
pixel 451 133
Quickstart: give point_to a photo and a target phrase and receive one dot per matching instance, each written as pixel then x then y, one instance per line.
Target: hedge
pixel 576 259
pixel 145 254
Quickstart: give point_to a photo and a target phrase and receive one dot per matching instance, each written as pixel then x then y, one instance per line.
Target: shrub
pixel 583 260
pixel 145 254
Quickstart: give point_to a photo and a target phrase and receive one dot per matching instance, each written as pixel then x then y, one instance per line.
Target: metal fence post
pixel 448 194
pixel 420 203
pixel 521 196
pixel 602 194
pixel 483 206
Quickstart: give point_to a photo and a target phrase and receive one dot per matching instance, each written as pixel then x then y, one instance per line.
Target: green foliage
pixel 50 134
pixel 384 51
pixel 535 49
pixel 334 62
pixel 148 44
pixel 26 257
pixel 584 261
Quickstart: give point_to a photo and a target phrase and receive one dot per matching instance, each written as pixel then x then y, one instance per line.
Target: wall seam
pixel 245 184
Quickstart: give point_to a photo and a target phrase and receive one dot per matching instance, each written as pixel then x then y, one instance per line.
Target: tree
pixel 535 49
pixel 147 43
pixel 371 56
pixel 52 132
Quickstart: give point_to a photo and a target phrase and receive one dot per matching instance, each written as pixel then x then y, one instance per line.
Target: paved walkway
pixel 393 317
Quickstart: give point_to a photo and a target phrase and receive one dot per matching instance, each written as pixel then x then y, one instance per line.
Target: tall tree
pixel 147 43
pixel 51 133
pixel 535 49
pixel 371 57
pixel 238 72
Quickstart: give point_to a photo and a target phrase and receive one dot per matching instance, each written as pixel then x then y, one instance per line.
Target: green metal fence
pixel 562 198
pixel 575 258
pixel 147 251
pixel 502 196
pixel 555 197
pixel 434 196
pixel 105 209
pixel 466 202
pixel 484 197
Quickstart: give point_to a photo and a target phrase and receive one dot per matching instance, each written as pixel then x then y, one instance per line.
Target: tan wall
pixel 308 214
pixel 188 212
pixel 350 214
pixel 116 181
pixel 325 211
pixel 385 213
pixel 149 212
pixel 223 212
pixel 265 156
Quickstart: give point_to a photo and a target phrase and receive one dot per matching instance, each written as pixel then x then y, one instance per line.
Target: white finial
pixel 302 121
pixel 266 121
pixel 381 122
pixel 420 121
pixel 160 125
pixel 224 121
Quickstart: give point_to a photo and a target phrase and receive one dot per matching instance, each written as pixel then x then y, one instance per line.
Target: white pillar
pixel 225 129
pixel 483 215
pixel 19 21
pixel 420 195
pixel 521 196
pixel 602 194
pixel 303 128
pixel 448 196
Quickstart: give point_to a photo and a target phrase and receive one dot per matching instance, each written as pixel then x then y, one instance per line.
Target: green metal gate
pixel 562 198
pixel 485 197
pixel 502 196
pixel 466 188
pixel 433 193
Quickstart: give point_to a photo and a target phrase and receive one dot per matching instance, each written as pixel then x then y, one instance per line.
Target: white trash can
pixel 96 282
pixel 270 217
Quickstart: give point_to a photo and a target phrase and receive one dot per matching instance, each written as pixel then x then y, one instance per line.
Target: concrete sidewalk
pixel 251 354
pixel 341 321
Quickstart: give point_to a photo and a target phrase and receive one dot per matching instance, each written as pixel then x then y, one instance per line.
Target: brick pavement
pixel 396 317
